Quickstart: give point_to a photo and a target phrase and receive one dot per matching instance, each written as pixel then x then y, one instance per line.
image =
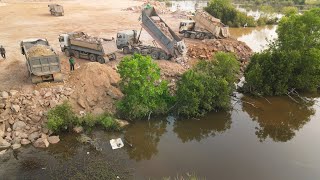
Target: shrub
pixel 109 123
pixel 207 86
pixel 144 92
pixel 61 117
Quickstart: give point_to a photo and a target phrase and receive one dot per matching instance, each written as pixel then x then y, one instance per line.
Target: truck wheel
pixel 101 60
pixel 206 37
pixel 186 35
pixel 92 57
pixel 155 55
pixel 67 52
pixel 192 36
pixel 136 51
pixel 76 54
pixel 113 56
pixel 126 50
pixel 164 56
pixel 201 36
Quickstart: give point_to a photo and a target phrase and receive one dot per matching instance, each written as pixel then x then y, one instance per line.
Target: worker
pixel 2 52
pixel 72 62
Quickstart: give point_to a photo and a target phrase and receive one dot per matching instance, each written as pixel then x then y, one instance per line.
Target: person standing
pixel 72 62
pixel 3 52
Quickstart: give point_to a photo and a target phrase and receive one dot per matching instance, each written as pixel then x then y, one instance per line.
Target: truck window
pixel 119 36
pixel 61 39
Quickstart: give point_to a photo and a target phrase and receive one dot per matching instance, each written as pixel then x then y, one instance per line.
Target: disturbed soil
pixel 95 85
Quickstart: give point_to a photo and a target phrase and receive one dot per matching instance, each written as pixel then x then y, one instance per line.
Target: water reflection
pixel 144 137
pixel 280 120
pixel 192 129
pixel 256 38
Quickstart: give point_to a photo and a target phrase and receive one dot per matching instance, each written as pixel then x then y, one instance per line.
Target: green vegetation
pixel 290 10
pixel 207 86
pixel 62 118
pixel 224 10
pixel 293 61
pixel 144 92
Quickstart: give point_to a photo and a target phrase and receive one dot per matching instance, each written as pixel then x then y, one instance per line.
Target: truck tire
pixel 192 36
pixel 76 54
pixel 155 55
pixel 101 60
pixel 186 35
pixel 92 57
pixel 164 56
pixel 113 56
pixel 126 50
pixel 67 52
pixel 136 51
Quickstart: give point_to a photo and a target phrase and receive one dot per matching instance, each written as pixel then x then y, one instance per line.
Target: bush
pixel 223 10
pixel 109 123
pixel 207 86
pixel 144 92
pixel 61 117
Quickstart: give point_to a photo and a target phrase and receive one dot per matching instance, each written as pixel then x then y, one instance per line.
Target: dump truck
pixel 203 26
pixel 170 44
pixel 81 45
pixel 42 61
pixel 56 9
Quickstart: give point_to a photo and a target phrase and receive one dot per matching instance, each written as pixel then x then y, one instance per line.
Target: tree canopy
pixel 293 61
pixel 144 92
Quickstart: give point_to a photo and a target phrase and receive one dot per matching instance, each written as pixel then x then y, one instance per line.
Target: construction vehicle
pixel 42 61
pixel 203 26
pixel 80 45
pixel 171 45
pixel 56 9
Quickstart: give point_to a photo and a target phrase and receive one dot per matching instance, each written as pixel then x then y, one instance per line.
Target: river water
pixel 273 138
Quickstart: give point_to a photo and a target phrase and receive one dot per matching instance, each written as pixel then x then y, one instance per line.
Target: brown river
pixel 272 138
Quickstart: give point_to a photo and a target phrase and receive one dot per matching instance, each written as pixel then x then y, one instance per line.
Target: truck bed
pixel 168 44
pixel 211 24
pixel 44 65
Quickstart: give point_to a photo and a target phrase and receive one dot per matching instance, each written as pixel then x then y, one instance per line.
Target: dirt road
pixel 20 20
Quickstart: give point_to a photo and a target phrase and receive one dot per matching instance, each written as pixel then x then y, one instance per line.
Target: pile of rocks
pixel 207 48
pixel 23 116
pixel 160 7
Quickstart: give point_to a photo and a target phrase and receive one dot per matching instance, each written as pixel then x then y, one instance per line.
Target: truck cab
pixel 126 38
pixel 186 25
pixel 64 41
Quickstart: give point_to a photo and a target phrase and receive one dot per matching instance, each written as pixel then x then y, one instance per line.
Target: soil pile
pixel 206 49
pixel 40 50
pixel 160 7
pixel 95 88
pixel 162 26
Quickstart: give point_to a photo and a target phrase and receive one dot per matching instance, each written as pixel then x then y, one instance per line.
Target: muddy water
pixel 276 140
pixel 256 38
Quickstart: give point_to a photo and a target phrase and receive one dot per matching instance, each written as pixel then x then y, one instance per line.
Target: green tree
pixel 293 61
pixel 207 86
pixel 224 10
pixel 144 92
pixel 289 10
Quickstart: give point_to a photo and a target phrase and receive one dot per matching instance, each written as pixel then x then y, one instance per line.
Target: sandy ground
pixel 20 20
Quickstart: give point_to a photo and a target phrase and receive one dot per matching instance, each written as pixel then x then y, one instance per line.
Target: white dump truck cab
pixel 126 38
pixel 187 25
pixel 64 41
